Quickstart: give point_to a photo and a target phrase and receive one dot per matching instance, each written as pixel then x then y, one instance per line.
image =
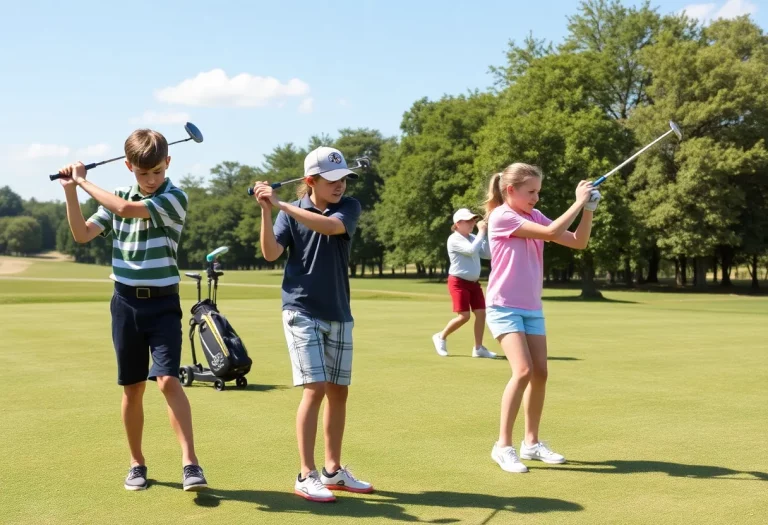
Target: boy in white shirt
pixel 465 251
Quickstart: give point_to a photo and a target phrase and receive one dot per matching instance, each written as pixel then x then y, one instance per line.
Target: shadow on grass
pixel 382 504
pixel 580 299
pixel 677 470
pixel 549 358
pixel 230 385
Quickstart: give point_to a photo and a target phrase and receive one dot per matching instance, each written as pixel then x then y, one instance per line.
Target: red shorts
pixel 466 295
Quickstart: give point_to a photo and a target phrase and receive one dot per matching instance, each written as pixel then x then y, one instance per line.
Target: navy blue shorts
pixel 141 327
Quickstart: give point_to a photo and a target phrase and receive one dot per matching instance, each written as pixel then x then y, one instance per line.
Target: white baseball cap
pixel 464 215
pixel 327 162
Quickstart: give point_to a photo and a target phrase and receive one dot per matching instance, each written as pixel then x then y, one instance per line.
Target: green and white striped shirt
pixel 144 250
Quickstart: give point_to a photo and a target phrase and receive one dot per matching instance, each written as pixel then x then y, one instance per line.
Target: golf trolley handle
pixel 92 165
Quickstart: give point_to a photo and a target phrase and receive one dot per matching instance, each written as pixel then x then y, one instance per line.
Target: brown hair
pixel 514 175
pixel 304 188
pixel 145 148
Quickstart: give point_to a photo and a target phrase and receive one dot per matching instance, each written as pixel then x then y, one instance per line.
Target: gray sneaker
pixel 137 478
pixel 193 478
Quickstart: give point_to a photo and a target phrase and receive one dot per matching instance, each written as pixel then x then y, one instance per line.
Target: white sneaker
pixel 541 452
pixel 312 488
pixel 440 345
pixel 343 479
pixel 483 352
pixel 507 459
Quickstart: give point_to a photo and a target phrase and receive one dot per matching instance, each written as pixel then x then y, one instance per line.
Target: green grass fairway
pixel 659 401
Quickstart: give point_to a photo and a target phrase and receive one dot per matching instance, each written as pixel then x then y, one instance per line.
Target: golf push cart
pixel 223 349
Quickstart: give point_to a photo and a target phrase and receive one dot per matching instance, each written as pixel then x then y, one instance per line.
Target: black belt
pixel 146 292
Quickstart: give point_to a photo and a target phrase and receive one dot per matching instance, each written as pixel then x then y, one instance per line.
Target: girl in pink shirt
pixel 516 233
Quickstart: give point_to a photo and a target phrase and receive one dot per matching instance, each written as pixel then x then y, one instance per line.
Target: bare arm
pixel 270 248
pixel 558 227
pixel 314 221
pixel 578 240
pixel 82 231
pixel 118 206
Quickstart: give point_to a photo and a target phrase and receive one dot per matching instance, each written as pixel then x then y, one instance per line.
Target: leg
pixel 533 401
pixel 516 350
pixel 180 415
pixel 454 324
pixel 133 419
pixel 306 347
pixel 334 419
pixel 479 327
pixel 162 325
pixel 306 425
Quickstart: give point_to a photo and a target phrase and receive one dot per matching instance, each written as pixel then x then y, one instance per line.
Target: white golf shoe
pixel 482 351
pixel 312 489
pixel 507 459
pixel 343 479
pixel 540 452
pixel 441 347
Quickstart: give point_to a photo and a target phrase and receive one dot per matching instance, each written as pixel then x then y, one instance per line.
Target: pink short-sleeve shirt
pixel 517 263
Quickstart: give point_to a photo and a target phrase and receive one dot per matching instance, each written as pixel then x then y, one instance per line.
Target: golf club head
pixel 676 129
pixel 193 132
pixel 221 250
pixel 364 162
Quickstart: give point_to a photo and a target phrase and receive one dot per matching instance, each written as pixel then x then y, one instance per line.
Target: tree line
pixel 576 109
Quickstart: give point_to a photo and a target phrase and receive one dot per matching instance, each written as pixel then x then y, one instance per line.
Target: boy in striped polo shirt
pixel 145 221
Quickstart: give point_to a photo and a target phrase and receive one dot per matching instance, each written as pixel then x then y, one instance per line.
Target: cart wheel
pixel 186 375
pixel 218 385
pixel 241 382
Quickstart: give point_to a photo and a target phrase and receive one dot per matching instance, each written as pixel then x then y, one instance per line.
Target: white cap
pixel 464 215
pixel 327 162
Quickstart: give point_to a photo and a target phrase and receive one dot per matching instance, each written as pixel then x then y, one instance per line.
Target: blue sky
pixel 78 77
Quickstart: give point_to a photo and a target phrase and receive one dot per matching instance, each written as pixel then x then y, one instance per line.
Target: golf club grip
pixel 90 166
pixel 599 181
pixel 274 186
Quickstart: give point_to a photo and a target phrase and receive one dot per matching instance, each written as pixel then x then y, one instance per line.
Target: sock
pixel 327 475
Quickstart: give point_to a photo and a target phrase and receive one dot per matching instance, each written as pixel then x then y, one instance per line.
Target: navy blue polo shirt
pixel 316 281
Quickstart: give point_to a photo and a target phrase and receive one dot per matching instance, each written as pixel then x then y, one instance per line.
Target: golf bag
pixel 223 348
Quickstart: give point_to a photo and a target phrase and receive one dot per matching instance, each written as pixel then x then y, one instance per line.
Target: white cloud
pixel 731 9
pixel 734 8
pixel 38 151
pixel 215 89
pixel 95 150
pixel 153 118
pixel 307 105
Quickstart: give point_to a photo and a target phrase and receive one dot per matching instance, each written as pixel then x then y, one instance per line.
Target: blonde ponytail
pixel 304 188
pixel 494 199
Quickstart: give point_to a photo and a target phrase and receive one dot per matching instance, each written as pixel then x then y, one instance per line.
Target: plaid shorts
pixel 319 350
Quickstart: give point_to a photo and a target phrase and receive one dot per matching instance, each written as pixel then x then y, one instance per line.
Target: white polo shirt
pixel 465 254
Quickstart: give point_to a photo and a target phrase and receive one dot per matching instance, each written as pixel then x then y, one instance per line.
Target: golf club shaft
pixel 599 181
pixel 276 185
pixel 182 140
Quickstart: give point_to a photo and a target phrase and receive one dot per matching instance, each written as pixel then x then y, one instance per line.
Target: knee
pixel 523 375
pixel 314 393
pixel 462 317
pixel 168 384
pixel 540 374
pixel 134 392
pixel 480 315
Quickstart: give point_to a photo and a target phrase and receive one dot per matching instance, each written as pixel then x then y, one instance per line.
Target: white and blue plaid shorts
pixel 319 350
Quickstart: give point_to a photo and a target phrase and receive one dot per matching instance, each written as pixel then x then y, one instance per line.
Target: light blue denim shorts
pixel 506 320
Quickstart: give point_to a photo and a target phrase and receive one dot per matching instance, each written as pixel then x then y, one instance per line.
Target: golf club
pixel 362 162
pixel 191 129
pixel 674 128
